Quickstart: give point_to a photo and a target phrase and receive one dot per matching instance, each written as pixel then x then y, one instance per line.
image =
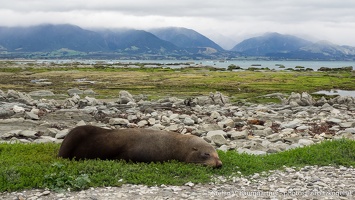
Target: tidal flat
pixel 156 82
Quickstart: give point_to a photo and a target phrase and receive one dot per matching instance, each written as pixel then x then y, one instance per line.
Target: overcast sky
pixel 332 20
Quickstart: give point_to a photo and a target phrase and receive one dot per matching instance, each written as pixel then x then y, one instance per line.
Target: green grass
pixel 25 166
pixel 163 82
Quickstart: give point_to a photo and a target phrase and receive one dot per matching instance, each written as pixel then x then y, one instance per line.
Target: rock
pixel 293 124
pixel 256 146
pixel 248 151
pixel 213 99
pixel 274 137
pixel 296 99
pixel 215 115
pixel 174 128
pixel 219 140
pixel 347 124
pixel 263 133
pixel 52 132
pixel 151 121
pixel 6 113
pixel 45 139
pixel 227 123
pixel 31 115
pixel 305 142
pixel 61 134
pixel 125 97
pixel 89 92
pixel 188 121
pixel 73 91
pixel 210 127
pixel 142 123
pixel 118 121
pixel 239 135
pixel 20 97
pixel 334 120
pixel 18 109
pixel 41 93
pixel 223 148
pixel 350 130
pixel 10 134
pixel 217 132
pixel 90 109
pixel 303 128
pixel 280 146
pixel 322 101
pixel 28 134
pixel 81 123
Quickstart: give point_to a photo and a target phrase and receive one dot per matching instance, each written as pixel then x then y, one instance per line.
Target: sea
pixel 244 64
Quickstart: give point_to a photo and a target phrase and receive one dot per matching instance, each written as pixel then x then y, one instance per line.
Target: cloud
pixel 324 19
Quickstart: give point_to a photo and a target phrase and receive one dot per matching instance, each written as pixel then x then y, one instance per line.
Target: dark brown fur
pixel 138 145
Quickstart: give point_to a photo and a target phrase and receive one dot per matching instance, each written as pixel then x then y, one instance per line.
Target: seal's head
pixel 203 153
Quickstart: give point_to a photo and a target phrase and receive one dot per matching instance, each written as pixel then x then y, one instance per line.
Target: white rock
pixel 188 121
pixel 239 135
pixel 18 109
pixel 217 132
pixel 350 130
pixel 219 140
pixel 305 142
pixel 142 123
pixel 30 115
pixel 118 121
pixel 215 115
pixel 224 148
pixel 81 123
pixel 28 134
pixel 293 124
pixel 61 134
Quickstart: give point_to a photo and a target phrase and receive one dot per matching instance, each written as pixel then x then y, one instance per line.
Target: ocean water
pixel 333 92
pixel 315 65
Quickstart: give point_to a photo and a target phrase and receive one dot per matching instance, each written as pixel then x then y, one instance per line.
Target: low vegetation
pixel 107 80
pixel 24 166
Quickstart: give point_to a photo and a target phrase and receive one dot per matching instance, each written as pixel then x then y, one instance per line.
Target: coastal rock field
pixel 246 128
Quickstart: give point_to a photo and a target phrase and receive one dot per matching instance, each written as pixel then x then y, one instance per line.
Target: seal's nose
pixel 218 163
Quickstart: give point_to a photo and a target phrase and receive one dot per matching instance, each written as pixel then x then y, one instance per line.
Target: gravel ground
pixel 310 182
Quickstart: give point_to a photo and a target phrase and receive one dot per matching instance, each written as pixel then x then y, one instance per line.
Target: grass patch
pixel 25 166
pixel 163 82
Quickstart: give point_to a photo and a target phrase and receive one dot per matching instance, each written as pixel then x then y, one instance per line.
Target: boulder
pixel 219 140
pixel 239 135
pixel 217 132
pixel 61 134
pixel 125 97
pixel 28 134
pixel 297 99
pixel 31 115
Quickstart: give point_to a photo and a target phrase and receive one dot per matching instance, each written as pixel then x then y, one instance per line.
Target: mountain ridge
pixel 282 46
pixel 66 40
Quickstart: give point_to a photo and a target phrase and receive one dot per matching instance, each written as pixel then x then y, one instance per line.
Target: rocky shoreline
pixel 252 128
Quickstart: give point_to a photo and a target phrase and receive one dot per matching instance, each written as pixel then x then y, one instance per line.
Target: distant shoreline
pixel 244 64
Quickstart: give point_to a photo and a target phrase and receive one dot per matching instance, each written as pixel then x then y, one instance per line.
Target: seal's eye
pixel 205 155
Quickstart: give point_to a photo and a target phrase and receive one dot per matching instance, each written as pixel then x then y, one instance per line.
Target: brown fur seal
pixel 137 145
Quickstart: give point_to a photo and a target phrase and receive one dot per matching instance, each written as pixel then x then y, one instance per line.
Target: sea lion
pixel 137 145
